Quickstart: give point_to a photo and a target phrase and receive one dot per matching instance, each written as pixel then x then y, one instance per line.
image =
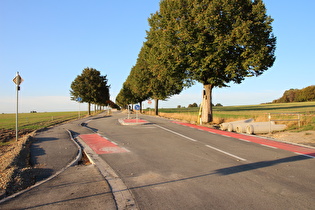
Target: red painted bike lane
pixel 268 142
pixel 101 145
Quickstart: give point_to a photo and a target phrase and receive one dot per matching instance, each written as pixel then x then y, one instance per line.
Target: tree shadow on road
pixel 258 165
pixel 24 173
pixel 231 170
pixel 37 151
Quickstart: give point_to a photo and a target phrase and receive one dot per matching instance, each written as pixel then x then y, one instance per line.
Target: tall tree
pixel 168 72
pixel 223 41
pixel 91 87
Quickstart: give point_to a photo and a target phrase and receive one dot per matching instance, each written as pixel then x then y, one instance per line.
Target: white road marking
pixel 194 140
pixel 269 146
pixel 244 140
pixel 304 155
pixel 177 133
pixel 226 153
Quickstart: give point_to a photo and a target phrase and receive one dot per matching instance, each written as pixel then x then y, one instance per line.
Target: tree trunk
pixel 206 115
pixel 140 106
pixel 89 108
pixel 156 106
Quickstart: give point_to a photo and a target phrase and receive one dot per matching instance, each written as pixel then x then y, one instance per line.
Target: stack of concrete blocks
pixel 250 127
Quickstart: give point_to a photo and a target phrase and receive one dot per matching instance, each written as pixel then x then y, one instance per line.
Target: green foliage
pixel 296 95
pixel 221 41
pixel 193 105
pixel 213 42
pixel 91 86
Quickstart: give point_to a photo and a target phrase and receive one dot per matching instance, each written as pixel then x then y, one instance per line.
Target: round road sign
pixel 137 107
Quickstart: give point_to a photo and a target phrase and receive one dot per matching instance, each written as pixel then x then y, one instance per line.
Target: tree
pixel 222 41
pixel 139 81
pixel 91 87
pixel 193 105
pixel 125 96
pixel 297 95
pixel 167 71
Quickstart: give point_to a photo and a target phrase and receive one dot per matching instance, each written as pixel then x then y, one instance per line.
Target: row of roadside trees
pixel 91 87
pixel 213 42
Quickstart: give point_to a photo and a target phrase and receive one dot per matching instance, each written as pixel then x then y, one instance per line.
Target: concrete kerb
pixel 72 163
pixel 122 195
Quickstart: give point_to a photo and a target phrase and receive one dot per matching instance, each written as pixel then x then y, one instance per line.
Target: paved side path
pixel 78 187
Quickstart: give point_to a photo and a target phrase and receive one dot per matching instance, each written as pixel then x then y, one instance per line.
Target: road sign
pixel 18 79
pixel 149 102
pixel 137 107
pixel 79 99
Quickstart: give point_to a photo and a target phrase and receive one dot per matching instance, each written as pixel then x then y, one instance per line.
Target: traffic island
pixel 134 121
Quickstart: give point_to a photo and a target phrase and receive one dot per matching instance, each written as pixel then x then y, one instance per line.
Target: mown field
pixel 36 120
pixel 29 122
pixel 280 111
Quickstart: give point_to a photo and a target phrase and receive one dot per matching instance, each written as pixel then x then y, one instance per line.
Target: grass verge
pixel 288 113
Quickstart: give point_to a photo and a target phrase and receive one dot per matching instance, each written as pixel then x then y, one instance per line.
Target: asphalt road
pixel 170 166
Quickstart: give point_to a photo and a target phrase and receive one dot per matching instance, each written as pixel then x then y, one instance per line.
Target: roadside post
pixel 199 115
pixel 149 102
pixel 137 108
pixel 17 80
pixel 79 99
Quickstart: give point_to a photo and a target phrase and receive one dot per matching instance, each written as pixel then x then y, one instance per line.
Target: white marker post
pixel 79 99
pixel 17 80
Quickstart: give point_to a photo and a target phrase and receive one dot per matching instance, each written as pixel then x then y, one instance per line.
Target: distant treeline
pixel 297 95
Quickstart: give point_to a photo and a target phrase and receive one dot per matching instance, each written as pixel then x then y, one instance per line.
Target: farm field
pixel 279 111
pixel 29 122
pixel 36 120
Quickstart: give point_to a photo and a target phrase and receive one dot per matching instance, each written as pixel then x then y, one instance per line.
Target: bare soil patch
pixel 14 162
pixel 303 137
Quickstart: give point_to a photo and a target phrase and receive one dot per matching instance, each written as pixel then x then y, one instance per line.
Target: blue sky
pixel 51 42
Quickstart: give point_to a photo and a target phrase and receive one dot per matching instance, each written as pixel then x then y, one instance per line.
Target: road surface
pixel 171 166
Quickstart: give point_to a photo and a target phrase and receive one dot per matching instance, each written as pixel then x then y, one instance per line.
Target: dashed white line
pixel 265 145
pixel 304 155
pixel 226 153
pixel 244 140
pixel 191 139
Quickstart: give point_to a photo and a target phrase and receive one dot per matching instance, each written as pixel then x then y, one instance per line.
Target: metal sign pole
pixel 17 80
pixel 17 114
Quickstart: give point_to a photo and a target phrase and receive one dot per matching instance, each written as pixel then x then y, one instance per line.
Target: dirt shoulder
pixel 306 138
pixel 14 165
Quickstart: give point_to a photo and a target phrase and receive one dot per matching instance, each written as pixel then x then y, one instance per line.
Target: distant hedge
pixel 297 95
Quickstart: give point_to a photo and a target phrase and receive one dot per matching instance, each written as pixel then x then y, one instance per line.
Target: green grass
pixel 260 112
pixel 35 121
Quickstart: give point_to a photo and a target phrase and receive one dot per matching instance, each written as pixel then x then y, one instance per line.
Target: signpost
pixel 79 99
pixel 137 108
pixel 17 80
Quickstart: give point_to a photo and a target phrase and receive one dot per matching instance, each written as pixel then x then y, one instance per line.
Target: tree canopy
pixel 213 42
pixel 297 95
pixel 91 87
